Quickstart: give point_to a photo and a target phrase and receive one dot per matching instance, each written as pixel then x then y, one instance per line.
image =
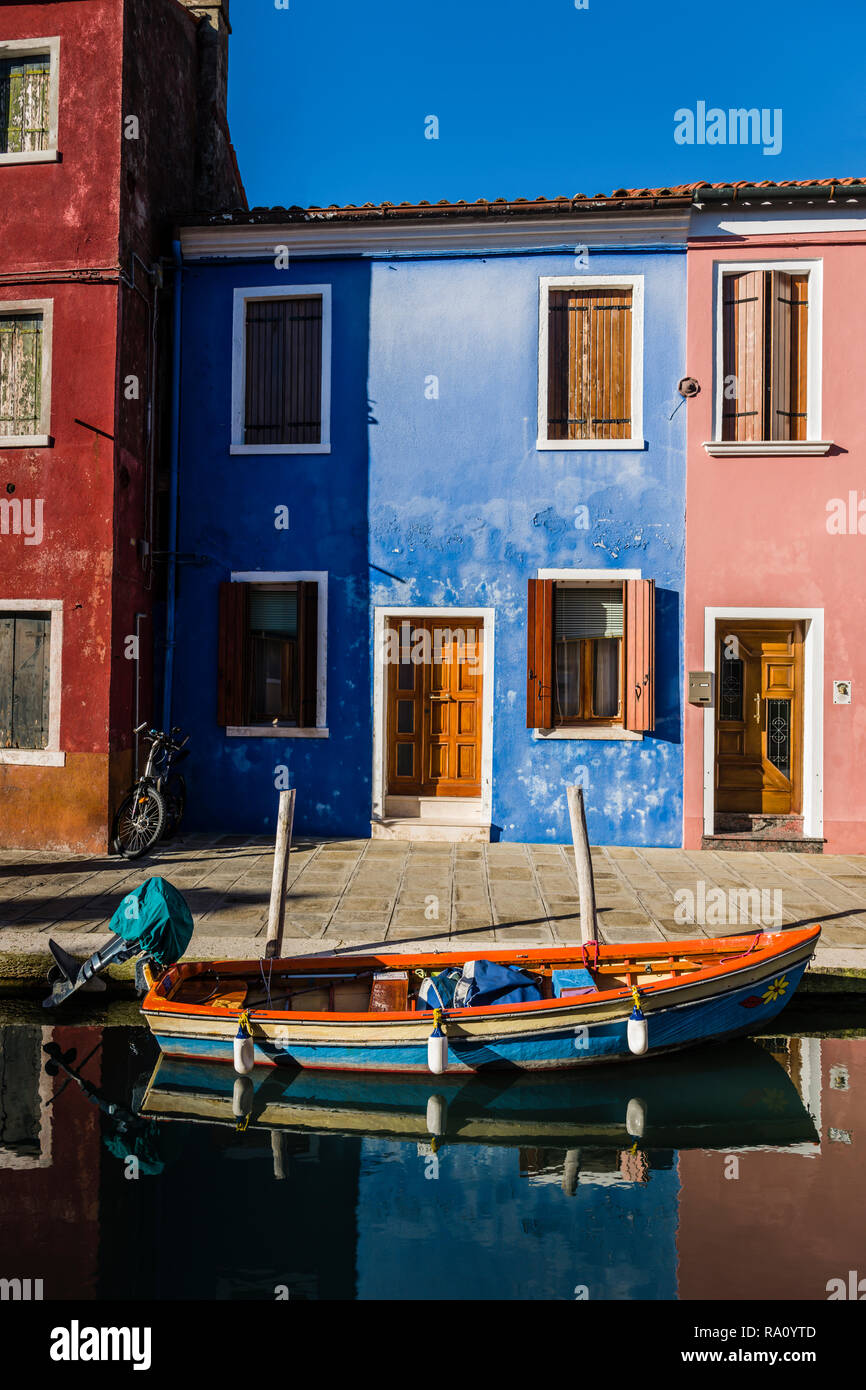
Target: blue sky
pixel 328 98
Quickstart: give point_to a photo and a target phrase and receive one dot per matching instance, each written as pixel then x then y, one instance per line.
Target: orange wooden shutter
pixel 589 364
pixel 308 650
pixel 640 654
pixel 233 655
pixel 787 376
pixel 743 355
pixel 539 657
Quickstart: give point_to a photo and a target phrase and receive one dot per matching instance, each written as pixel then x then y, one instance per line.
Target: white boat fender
pixel 244 1048
pixel 437 1115
pixel 638 1041
pixel 635 1117
pixel 437 1046
pixel 242 1097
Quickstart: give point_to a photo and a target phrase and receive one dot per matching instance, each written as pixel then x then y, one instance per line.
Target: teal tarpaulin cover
pixel 156 917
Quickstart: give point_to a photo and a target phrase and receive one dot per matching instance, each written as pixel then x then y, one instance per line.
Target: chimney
pixel 217 182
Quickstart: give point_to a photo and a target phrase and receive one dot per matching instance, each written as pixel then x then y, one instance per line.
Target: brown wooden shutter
pixel 539 656
pixel 743 355
pixel 589 364
pixel 283 371
pixel 786 384
pixel 308 649
pixel 640 654
pixel 233 664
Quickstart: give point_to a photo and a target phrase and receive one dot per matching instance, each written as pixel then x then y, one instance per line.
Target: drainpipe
pixel 168 671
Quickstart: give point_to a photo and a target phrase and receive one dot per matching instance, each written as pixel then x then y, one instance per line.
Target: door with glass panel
pixel 759 717
pixel 434 681
pixel 587 654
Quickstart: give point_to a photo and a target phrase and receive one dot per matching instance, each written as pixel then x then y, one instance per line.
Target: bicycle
pixel 153 808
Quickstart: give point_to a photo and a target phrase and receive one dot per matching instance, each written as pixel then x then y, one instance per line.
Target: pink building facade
pixel 776 521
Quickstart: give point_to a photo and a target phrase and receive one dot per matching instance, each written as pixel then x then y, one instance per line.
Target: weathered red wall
pixel 56 218
pixel 85 232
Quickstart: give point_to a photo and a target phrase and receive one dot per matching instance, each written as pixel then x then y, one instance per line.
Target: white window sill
pixel 33 757
pixel 279 448
pixel 268 731
pixel 31 157
pixel 26 441
pixel 608 734
pixel 772 448
pixel 599 446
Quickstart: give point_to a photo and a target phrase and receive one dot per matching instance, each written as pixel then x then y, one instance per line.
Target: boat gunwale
pixel 774 944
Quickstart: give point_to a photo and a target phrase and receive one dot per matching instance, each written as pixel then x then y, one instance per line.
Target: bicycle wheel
pixel 174 793
pixel 139 822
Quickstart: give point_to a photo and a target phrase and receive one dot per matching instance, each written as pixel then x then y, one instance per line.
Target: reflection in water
pixel 728 1173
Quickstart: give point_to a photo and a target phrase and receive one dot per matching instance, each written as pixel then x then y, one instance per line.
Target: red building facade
pixel 112 125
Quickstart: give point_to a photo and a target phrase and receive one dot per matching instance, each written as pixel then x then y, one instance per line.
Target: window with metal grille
pixel 589 363
pixel 587 654
pixel 283 397
pixel 20 374
pixel 764 355
pixel 25 93
pixel 24 679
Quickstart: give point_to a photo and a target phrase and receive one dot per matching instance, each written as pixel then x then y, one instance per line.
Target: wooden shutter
pixel 539 656
pixel 786 378
pixel 284 371
pixel 308 651
pixel 743 355
pixel 20 374
pixel 640 654
pixel 24 103
pixel 589 364
pixel 24 680
pixel 233 663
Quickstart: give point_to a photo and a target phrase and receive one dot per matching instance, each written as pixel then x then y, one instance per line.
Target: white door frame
pixel 813 710
pixel 380 704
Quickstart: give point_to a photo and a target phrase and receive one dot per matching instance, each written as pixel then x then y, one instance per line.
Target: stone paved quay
pixel 394 895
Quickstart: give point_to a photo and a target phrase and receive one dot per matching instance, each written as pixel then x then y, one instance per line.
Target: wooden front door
pixel 434 707
pixel 759 717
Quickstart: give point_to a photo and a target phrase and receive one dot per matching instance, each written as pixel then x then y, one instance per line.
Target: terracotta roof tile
pixel 683 195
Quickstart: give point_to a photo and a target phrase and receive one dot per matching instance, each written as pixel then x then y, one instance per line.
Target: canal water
pixel 731 1172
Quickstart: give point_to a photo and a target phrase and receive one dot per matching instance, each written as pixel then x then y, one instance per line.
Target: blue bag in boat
pixel 437 991
pixel 487 982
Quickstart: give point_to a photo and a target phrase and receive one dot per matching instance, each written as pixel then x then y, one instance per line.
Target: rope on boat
pixel 584 957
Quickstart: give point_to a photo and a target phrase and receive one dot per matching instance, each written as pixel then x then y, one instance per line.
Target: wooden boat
pixel 358 1013
pixel 733 1096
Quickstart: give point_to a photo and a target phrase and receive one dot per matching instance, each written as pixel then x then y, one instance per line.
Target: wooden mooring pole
pixel 583 864
pixel 282 849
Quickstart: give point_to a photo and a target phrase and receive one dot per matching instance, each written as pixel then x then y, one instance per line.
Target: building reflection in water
pixel 104 1203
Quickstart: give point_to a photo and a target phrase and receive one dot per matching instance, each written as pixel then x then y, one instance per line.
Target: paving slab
pixel 374 894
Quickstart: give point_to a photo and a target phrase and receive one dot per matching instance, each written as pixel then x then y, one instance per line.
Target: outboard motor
pixel 153 920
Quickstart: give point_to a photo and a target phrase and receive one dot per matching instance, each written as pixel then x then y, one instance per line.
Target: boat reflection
pixel 735 1096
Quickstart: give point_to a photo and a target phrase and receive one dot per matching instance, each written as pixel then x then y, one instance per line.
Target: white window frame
pixel 52 756
pixel 321 730
pixel 590 282
pixel 45 307
pixel 773 448
pixel 258 293
pixel 592 579
pixel 36 48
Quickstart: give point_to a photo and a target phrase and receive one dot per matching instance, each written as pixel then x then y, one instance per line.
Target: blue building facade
pixel 456 431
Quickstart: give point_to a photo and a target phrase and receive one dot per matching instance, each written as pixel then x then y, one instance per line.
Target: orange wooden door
pixel 759 718
pixel 434 710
